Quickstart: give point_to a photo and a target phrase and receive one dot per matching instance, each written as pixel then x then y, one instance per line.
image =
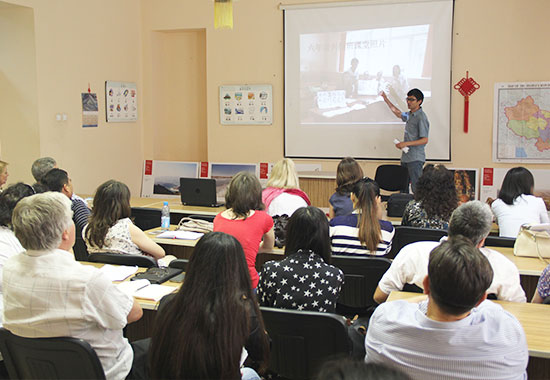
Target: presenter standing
pixel 417 128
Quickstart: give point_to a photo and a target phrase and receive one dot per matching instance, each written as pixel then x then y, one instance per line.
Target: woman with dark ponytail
pixel 362 232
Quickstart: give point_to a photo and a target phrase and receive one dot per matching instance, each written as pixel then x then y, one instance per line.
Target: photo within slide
pixel 343 73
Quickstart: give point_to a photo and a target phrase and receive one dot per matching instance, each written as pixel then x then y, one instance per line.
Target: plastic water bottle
pixel 165 217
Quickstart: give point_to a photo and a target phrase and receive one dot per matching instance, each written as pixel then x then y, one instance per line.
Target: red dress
pixel 249 233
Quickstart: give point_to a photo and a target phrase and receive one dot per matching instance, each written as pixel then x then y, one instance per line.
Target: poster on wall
pixel 521 122
pixel 89 110
pixel 120 102
pixel 246 104
pixel 466 183
pixel 223 172
pixel 161 179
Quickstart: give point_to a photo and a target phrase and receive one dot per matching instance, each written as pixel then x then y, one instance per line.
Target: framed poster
pixel 223 172
pixel 246 104
pixel 161 179
pixel 120 102
pixel 466 183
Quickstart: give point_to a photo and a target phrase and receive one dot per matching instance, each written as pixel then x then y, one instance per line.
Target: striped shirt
pixel 345 240
pixel 488 344
pixel 81 213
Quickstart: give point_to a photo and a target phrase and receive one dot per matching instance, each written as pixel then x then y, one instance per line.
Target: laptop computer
pixel 198 192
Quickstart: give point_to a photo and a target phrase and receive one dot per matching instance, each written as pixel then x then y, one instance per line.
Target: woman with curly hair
pixel 434 201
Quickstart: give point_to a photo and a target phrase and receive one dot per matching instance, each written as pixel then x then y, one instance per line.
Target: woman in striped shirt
pixel 362 232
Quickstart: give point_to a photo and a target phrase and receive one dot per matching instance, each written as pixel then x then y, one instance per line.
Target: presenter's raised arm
pixel 396 111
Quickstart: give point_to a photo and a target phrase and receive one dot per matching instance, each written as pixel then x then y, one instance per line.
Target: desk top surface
pixel 175 206
pixel 145 304
pixel 527 266
pixel 533 318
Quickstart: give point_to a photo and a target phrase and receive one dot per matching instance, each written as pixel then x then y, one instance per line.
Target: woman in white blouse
pixel 516 204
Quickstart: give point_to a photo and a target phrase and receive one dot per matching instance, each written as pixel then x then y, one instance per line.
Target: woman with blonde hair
pixel 3 173
pixel 282 194
pixel 362 232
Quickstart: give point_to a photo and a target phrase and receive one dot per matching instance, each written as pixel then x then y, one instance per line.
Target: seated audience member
pixel 48 294
pixel 41 166
pixel 39 169
pixel 347 173
pixel 516 204
pixel 304 280
pixel 456 333
pixel 200 332
pixel 9 245
pixel 3 174
pixel 58 180
pixel 349 369
pixel 472 220
pixel 543 286
pixel 244 219
pixel 283 196
pixel 434 201
pixel 110 228
pixel 362 232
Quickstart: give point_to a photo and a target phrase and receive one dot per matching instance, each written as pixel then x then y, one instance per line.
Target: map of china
pixel 527 120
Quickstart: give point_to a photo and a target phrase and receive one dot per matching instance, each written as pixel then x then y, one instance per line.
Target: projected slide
pixel 338 59
pixel 343 73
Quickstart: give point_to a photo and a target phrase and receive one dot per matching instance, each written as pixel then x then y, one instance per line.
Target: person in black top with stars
pixel 304 280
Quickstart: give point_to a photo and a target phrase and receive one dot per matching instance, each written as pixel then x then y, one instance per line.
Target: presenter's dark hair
pixel 365 191
pixel 459 275
pixel 308 229
pixel 436 191
pixel 350 369
pixel 55 179
pixel 348 172
pixel 417 94
pixel 111 203
pixel 243 194
pixel 201 332
pixel 9 199
pixel 517 181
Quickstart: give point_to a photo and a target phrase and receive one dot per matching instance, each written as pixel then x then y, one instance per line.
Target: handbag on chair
pixel 533 241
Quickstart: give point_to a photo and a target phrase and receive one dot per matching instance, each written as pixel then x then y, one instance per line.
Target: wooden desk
pixel 175 206
pixel 183 249
pixel 533 318
pixel 529 266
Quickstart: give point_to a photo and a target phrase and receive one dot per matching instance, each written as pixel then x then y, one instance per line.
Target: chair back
pixel 392 178
pixel 146 218
pixel 49 358
pixel 122 259
pixel 79 248
pixel 303 340
pixel 497 241
pixel 361 277
pixel 405 235
pixel 179 264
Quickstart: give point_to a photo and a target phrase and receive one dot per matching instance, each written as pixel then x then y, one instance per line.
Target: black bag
pixel 279 228
pixel 397 203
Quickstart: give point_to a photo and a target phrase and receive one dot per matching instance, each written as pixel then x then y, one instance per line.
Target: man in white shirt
pixel 48 294
pixel 456 333
pixel 472 220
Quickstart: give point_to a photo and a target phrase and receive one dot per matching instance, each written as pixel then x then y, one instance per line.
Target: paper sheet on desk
pixel 154 292
pixel 131 287
pixel 118 273
pixel 185 235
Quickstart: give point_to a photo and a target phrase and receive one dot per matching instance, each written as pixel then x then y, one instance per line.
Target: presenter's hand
pixel 383 95
pixel 400 145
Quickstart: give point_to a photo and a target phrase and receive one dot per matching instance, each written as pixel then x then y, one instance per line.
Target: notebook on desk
pixel 198 192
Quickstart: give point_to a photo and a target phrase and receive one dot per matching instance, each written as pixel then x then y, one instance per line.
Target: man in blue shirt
pixel 417 128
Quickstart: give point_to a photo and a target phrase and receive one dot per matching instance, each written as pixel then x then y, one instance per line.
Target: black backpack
pixel 397 203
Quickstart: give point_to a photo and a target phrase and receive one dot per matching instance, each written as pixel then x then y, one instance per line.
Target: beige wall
pixel 19 134
pixel 81 42
pixel 496 40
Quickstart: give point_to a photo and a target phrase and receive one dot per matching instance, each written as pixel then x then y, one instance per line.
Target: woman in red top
pixel 244 219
